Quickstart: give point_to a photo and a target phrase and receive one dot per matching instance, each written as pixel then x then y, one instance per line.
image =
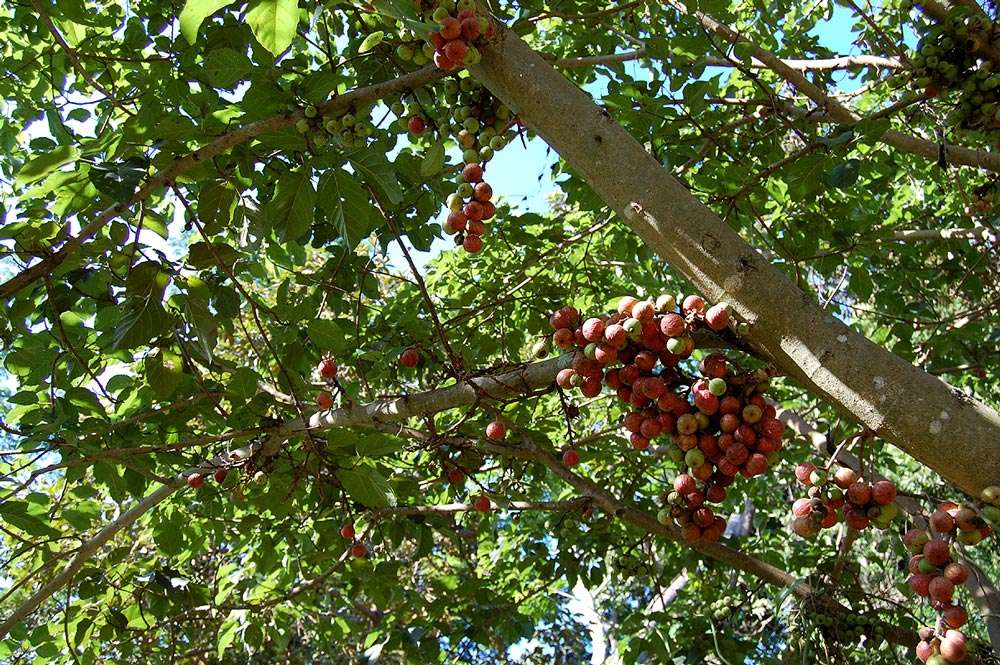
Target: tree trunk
pixel 940 426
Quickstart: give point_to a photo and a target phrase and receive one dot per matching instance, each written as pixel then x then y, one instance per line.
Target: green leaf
pixel 291 209
pixel 273 23
pixel 433 160
pixel 367 486
pixel 202 323
pixel 225 67
pixel 119 180
pixel 376 170
pixel 347 206
pixel 142 313
pixel 837 138
pixel 845 174
pixel 164 372
pixel 870 131
pixel 402 10
pixel 17 514
pixel 371 41
pixel 243 382
pixel 195 12
pixel 228 630
pixel 327 335
pixel 41 166
pixel 216 204
pixel 203 254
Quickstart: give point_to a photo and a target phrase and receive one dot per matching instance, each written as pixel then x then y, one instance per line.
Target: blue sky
pixel 521 174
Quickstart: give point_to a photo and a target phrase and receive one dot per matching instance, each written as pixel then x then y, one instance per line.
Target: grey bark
pixel 939 425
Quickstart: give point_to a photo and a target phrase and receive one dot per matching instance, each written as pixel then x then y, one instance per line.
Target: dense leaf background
pixel 194 321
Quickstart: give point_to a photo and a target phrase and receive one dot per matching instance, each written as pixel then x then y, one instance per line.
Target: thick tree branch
pixel 849 62
pixel 918 235
pixel 982 44
pixel 452 508
pixel 918 412
pixel 839 112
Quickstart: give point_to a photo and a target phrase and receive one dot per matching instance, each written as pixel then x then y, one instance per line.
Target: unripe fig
pixel 915 539
pixel 991 495
pixel 694 458
pixel 991 514
pixel 752 413
pixel 971 537
pixel 665 303
pixel 677 345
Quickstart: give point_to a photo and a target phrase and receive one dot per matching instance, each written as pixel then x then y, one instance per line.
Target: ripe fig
pixel 496 430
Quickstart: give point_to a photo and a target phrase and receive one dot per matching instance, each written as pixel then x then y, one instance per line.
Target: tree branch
pixel 917 411
pixel 839 112
pixel 224 143
pixel 837 63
